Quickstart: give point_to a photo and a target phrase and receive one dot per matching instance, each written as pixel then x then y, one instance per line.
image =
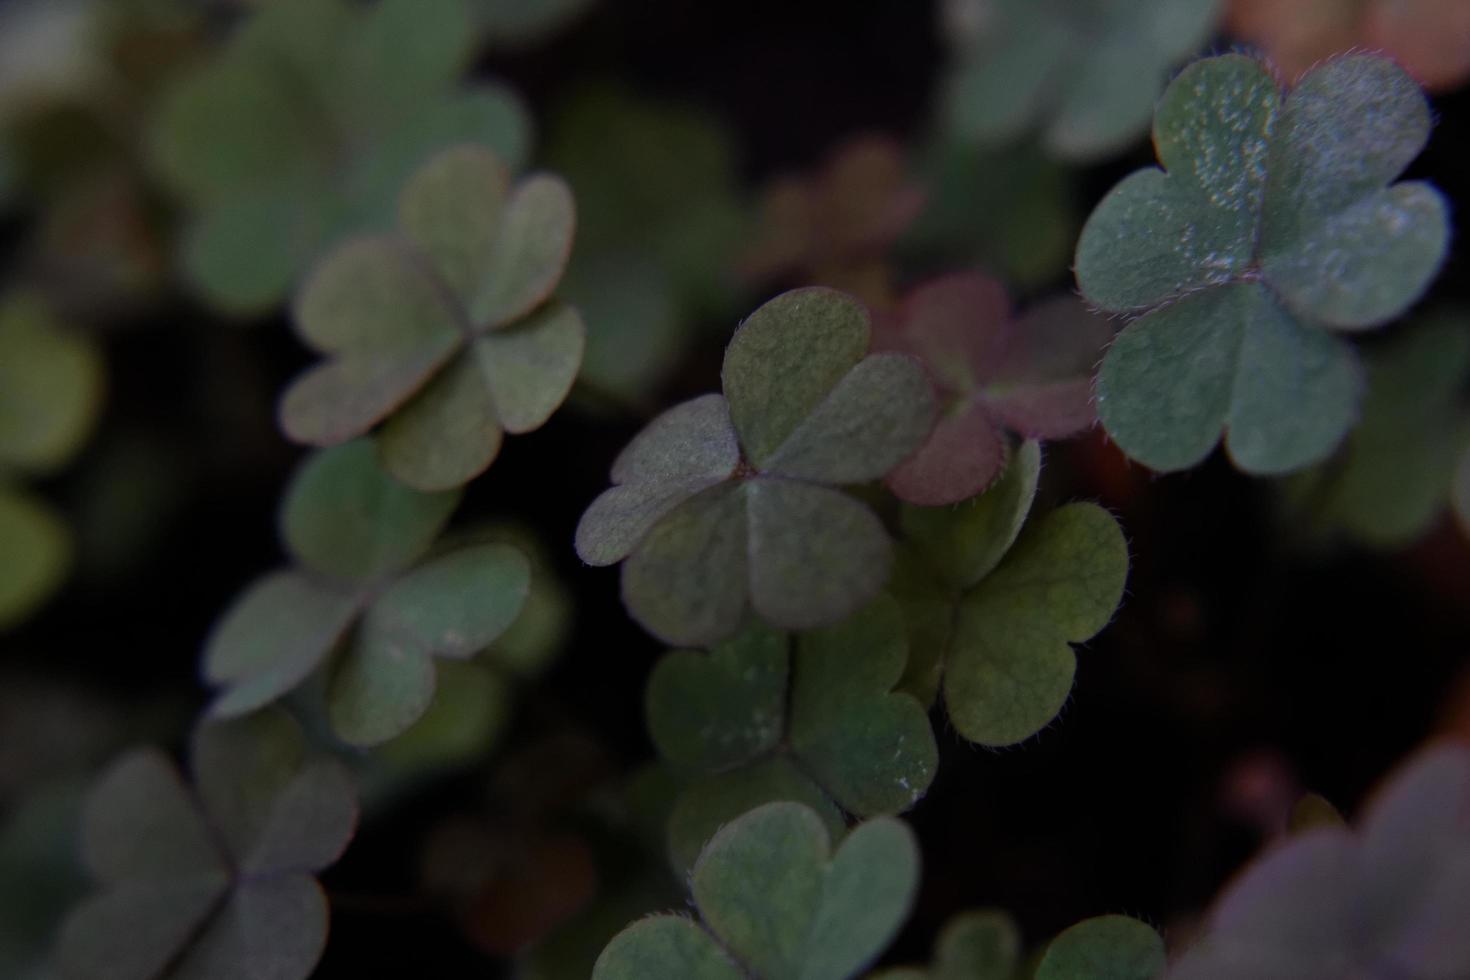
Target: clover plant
pixel 215 879
pixel 1273 228
pixel 446 333
pixel 301 131
pixel 760 717
pixel 51 389
pixel 997 375
pixel 728 502
pixel 359 541
pixel 776 900
pixel 983 944
pixel 1083 76
pixel 994 603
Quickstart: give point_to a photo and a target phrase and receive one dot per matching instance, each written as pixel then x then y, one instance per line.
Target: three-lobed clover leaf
pixel 1109 947
pixel 359 540
pixel 1385 900
pixel 1084 74
pixel 730 502
pixel 777 902
pixel 51 386
pixel 214 880
pixel 994 608
pixel 1269 230
pixel 981 944
pixel 301 131
pixel 762 718
pixel 1429 38
pixel 1394 474
pixel 445 335
pixel 996 375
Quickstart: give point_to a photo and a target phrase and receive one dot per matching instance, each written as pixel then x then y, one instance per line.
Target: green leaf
pixel 1394 473
pixel 702 535
pixel 786 905
pixel 471 707
pixel 685 450
pixel 51 384
pixel 872 750
pixel 1011 663
pixel 344 517
pixel 711 803
pixel 38 550
pixel 1110 947
pixel 785 359
pixel 195 886
pixel 272 637
pixel 983 944
pixel 712 711
pixel 664 946
pixel 964 543
pixel 1084 74
pixel 453 606
pixel 1269 226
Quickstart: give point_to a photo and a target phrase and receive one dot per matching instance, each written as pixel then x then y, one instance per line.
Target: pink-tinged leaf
pixel 1030 376
pixel 963 456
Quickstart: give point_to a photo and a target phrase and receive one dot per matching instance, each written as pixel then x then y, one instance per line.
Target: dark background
pixel 1237 646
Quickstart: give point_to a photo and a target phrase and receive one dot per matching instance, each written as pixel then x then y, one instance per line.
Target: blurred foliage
pixel 855 527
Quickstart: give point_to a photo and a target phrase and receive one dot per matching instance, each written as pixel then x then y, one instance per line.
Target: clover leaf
pixel 214 879
pixel 1393 475
pixel 1269 230
pixel 1384 900
pixel 730 501
pixel 776 902
pixel 760 718
pixel 1109 947
pixel 1083 74
pixel 446 333
pixel 359 541
pixel 997 375
pixel 982 944
pixel 1424 36
pixel 301 131
pixel 51 386
pixel 993 607
pixel 836 226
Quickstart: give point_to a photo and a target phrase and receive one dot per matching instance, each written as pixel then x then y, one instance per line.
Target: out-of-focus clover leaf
pixel 993 609
pixel 302 130
pixel 214 880
pixel 1394 474
pixel 1012 211
pixel 446 333
pixel 658 219
pixel 1429 38
pixel 1084 75
pixel 359 540
pixel 1109 947
pixel 836 226
pixel 996 374
pixel 826 704
pixel 728 502
pixel 982 944
pixel 1269 230
pixel 40 877
pixel 1385 900
pixel 776 902
pixel 51 387
pixel 521 23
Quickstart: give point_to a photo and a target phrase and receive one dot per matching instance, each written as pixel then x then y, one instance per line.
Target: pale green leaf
pixel 530 252
pixel 38 550
pixel 664 946
pixel 51 382
pixel 1110 947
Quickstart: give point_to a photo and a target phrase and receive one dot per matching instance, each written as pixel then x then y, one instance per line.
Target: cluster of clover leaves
pixel 303 129
pixel 822 617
